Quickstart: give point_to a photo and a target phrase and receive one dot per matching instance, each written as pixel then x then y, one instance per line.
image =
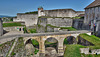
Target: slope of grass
pixel 93 39
pixel 73 51
pixel 11 24
pixel 69 28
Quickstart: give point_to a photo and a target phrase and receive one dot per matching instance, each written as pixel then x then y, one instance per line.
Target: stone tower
pixel 40 11
pixel 1 28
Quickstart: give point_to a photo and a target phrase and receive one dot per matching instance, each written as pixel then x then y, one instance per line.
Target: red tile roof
pixel 94 4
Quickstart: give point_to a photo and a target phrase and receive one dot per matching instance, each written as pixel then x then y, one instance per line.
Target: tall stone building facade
pixel 59 12
pixel 1 28
pixel 92 17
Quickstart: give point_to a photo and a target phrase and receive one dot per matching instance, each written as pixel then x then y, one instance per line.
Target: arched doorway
pixel 51 47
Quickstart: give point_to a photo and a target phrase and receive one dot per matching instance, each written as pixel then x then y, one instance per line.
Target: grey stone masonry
pixel 1 28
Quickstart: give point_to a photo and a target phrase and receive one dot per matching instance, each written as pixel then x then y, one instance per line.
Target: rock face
pixel 51 52
pixel 1 28
pixel 29 49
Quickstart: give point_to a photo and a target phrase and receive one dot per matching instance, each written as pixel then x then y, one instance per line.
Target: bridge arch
pixel 51 44
pixel 69 40
pixel 31 45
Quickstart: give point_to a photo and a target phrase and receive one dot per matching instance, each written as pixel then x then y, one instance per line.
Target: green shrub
pixel 13 53
pixel 65 41
pixel 32 31
pixel 35 12
pixel 25 30
pixel 36 51
pixel 34 42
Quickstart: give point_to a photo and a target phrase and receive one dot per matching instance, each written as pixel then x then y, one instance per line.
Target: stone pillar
pixel 41 48
pixel 1 27
pixel 60 48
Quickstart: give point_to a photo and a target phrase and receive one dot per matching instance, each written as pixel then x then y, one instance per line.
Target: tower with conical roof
pixel 40 11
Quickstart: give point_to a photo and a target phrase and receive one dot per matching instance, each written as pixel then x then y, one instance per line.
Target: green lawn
pixel 69 28
pixel 73 51
pixel 93 39
pixel 11 24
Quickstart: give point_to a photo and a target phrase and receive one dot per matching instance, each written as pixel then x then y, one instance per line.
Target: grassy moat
pixel 74 50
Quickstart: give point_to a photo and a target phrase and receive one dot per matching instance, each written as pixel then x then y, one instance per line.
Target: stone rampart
pixel 29 19
pixel 1 27
pixel 62 13
pixel 57 22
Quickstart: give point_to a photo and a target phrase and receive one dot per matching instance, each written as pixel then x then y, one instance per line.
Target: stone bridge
pixel 42 37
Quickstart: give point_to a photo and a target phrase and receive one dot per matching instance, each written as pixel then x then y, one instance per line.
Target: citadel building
pixel 92 17
pixel 32 19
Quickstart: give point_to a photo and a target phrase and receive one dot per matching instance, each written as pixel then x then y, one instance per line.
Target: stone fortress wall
pixel 59 12
pixel 32 19
pixel 1 28
pixel 29 19
pixel 57 22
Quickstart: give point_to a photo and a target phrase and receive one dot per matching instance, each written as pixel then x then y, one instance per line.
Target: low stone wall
pixel 88 51
pixel 84 42
pixel 16 28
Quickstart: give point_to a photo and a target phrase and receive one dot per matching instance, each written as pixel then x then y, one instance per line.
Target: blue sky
pixel 12 7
